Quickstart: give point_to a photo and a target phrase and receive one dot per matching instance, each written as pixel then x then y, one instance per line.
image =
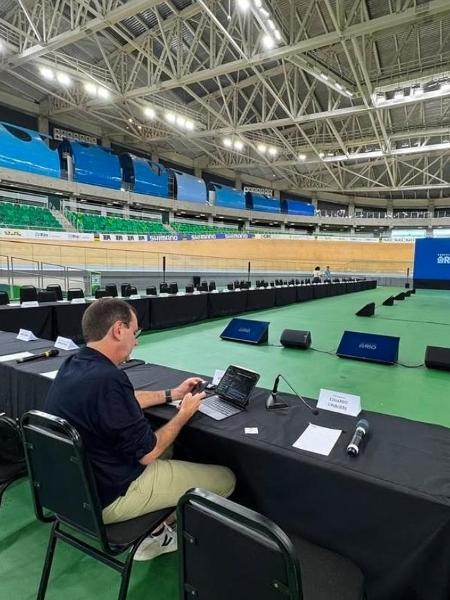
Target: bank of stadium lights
pixel 403 95
pixel 338 87
pixel 233 144
pixel 96 91
pixel 405 148
pixel 270 150
pixel 271 34
pixel 179 121
pixel 51 75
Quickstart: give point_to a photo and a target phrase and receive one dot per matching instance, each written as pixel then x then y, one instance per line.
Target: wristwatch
pixel 168 396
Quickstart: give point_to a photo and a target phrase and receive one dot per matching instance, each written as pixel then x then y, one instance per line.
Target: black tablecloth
pixel 38 319
pixel 225 304
pixel 260 298
pixel 178 310
pixel 388 509
pixel 285 295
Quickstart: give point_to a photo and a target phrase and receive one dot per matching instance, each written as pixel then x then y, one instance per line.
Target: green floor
pixel 420 394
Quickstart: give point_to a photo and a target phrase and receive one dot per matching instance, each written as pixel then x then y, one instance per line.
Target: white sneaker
pixel 156 544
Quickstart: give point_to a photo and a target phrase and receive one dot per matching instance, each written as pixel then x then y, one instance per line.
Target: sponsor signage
pixel 258 190
pixel 61 134
pixel 32 234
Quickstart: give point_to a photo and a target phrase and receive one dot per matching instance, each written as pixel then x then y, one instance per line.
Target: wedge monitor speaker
pixel 366 311
pixel 400 296
pixel 296 338
pixel 369 346
pixel 247 331
pixel 389 301
pixel 437 357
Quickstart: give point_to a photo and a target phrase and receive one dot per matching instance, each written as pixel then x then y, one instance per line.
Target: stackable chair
pixel 4 298
pixel 228 551
pixel 73 293
pixel 111 288
pixel 65 494
pixel 56 288
pixel 28 293
pixel 100 293
pixel 46 296
pixel 124 290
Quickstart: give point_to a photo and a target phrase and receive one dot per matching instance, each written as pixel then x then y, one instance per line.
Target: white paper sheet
pixel 15 356
pixel 317 439
pixel 50 374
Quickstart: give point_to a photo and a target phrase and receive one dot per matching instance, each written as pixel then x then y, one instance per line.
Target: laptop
pixel 231 395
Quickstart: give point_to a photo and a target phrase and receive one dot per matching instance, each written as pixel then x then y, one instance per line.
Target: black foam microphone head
pixel 53 352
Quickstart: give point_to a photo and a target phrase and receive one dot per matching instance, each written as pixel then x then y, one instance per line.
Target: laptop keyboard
pixel 217 409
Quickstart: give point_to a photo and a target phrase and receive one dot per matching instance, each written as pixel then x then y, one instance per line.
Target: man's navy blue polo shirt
pixel 97 398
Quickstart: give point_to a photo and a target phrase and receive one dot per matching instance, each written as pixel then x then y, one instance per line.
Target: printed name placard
pixel 78 301
pixel 65 343
pixel 25 335
pixel 29 304
pixel 347 404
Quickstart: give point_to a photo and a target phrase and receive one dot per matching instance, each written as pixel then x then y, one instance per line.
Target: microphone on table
pixel 362 429
pixel 46 354
pixel 272 402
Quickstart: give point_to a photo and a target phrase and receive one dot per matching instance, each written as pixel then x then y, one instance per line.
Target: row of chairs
pixel 52 293
pixel 212 531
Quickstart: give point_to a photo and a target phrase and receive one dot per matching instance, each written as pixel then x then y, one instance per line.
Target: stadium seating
pixel 25 216
pixel 100 224
pixel 198 229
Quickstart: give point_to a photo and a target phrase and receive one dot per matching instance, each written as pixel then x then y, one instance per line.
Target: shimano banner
pixel 432 263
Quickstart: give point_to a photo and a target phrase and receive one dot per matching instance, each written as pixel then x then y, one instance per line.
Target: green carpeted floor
pixel 421 394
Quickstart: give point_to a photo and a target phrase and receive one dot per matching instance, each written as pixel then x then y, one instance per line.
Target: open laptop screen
pixel 236 385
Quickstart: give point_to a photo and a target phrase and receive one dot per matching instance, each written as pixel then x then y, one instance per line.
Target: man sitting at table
pixel 132 469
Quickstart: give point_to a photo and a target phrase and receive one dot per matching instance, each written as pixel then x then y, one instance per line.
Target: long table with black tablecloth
pixel 388 510
pixel 54 319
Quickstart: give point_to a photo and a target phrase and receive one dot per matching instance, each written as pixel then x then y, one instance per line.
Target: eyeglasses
pixel 137 333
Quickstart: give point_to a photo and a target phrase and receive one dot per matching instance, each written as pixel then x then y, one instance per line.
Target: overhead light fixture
pixel 227 142
pixel 149 112
pixel 262 148
pixel 130 120
pixel 180 121
pixel 90 88
pixel 268 42
pixel 47 73
pixel 273 151
pixel 264 13
pixel 63 79
pixel 302 156
pixel 170 117
pixel 238 145
pixel 321 154
pixel 257 3
pixel 103 93
pixel 399 95
pixel 271 25
pixel 243 5
pixel 277 35
pixel 189 125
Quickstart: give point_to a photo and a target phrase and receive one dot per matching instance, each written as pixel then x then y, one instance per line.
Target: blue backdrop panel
pixel 432 259
pixel 95 165
pixel 228 196
pixel 264 203
pixel 297 207
pixel 145 176
pixel 190 188
pixel 25 150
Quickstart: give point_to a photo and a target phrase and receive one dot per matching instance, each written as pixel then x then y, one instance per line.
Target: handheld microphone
pixel 362 429
pixel 46 354
pixel 272 401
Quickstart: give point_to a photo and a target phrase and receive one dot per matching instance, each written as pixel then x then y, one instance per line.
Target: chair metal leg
pixel 48 563
pixel 125 577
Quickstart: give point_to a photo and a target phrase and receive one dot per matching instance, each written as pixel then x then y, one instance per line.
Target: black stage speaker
pixel 296 338
pixel 366 311
pixel 400 296
pixel 437 358
pixel 413 291
pixel 407 293
pixel 389 301
pixel 407 286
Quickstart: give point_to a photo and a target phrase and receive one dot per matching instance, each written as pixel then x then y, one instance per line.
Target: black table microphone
pixel 46 354
pixel 272 401
pixel 362 429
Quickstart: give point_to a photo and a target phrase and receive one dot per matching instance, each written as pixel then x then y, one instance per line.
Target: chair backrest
pixel 11 447
pixel 212 286
pixel 173 288
pixel 164 288
pixel 55 287
pixel 151 291
pixel 189 289
pixel 101 293
pixel 228 551
pixel 203 286
pixel 46 296
pixel 74 293
pixel 124 290
pixel 62 482
pixel 132 289
pixel 111 288
pixel 4 298
pixel 28 293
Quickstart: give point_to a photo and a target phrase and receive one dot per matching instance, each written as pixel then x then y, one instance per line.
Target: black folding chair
pixel 111 288
pixel 4 298
pixel 12 459
pixel 46 296
pixel 73 293
pixel 228 551
pixel 64 493
pixel 28 293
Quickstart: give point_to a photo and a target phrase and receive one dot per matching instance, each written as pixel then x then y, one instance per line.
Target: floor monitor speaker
pixel 400 296
pixel 366 311
pixel 437 358
pixel 296 338
pixel 389 301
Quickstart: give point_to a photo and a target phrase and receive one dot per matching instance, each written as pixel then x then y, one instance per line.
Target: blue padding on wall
pixel 94 165
pixel 190 188
pixel 145 176
pixel 25 150
pixel 297 207
pixel 265 203
pixel 228 196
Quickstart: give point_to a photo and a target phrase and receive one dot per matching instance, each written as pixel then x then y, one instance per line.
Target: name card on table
pixel 65 343
pixel 339 402
pixel 29 304
pixel 50 374
pixel 135 297
pixel 26 336
pixel 78 301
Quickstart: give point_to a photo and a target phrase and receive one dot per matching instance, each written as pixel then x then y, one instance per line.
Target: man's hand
pixel 190 405
pixel 185 387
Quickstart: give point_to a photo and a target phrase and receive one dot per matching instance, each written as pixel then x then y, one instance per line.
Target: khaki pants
pixel 163 483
